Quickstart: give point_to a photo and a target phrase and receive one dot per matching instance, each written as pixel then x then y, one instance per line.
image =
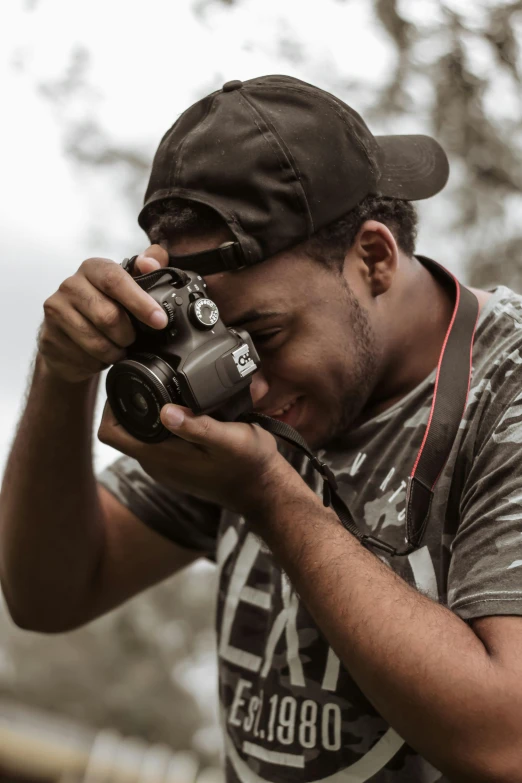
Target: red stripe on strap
pixel 456 307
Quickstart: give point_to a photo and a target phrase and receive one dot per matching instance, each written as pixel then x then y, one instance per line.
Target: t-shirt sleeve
pixel 182 518
pixel 485 574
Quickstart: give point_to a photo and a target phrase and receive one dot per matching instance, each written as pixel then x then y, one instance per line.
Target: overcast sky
pixel 147 64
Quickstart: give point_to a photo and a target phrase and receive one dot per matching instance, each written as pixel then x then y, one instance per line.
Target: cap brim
pixel 413 167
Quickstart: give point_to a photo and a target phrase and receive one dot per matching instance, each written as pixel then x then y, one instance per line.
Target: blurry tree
pixel 84 140
pixel 142 669
pixel 467 65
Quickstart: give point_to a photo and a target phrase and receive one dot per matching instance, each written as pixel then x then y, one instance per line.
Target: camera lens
pixel 137 389
pixel 140 404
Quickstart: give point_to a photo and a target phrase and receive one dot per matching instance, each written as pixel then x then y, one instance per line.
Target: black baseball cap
pixel 278 159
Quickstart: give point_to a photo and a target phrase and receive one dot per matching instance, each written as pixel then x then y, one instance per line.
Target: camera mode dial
pixel 203 313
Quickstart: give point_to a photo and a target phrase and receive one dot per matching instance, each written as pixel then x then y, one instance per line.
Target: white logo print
pixel 244 362
pixel 269 727
pixel 358 461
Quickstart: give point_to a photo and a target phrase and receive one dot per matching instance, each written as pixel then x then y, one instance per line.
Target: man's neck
pixel 429 303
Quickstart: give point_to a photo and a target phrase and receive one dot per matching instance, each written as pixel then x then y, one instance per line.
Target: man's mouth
pixel 288 414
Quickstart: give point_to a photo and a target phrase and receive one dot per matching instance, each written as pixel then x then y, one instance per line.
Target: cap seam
pixel 291 160
pixel 181 149
pixel 337 108
pixel 278 149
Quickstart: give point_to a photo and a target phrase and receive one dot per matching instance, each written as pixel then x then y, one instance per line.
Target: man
pixel 334 662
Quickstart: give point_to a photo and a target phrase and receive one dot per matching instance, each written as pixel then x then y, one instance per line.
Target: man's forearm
pixel 421 666
pixel 50 531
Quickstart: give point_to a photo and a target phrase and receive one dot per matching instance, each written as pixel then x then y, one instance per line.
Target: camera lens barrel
pixel 137 389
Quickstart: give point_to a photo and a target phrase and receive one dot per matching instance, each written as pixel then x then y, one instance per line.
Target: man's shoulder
pixel 497 358
pixel 498 337
pixel 502 302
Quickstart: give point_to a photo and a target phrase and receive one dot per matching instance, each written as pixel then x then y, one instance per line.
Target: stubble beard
pixel 364 359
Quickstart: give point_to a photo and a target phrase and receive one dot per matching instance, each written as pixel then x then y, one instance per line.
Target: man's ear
pixel 376 248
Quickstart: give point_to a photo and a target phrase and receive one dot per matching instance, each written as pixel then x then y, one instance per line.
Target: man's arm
pixel 69 550
pixel 452 697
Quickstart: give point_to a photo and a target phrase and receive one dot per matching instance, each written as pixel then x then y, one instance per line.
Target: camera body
pixel 195 361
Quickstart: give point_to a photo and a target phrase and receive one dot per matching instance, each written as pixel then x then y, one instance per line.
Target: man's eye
pixel 263 337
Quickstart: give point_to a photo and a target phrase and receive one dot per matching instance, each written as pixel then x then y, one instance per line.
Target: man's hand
pixel 86 327
pixel 232 464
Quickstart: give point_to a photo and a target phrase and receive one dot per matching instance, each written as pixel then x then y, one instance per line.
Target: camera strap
pixel 149 279
pixel 450 396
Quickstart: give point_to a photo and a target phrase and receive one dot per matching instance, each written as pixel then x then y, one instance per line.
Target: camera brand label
pixel 244 362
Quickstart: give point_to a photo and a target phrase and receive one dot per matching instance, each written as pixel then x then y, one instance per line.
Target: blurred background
pixel 88 89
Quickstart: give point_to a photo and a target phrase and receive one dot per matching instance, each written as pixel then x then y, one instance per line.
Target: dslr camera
pixel 195 361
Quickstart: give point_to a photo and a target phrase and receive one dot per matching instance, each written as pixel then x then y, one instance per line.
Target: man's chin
pixel 331 437
pixel 319 440
pixel 338 433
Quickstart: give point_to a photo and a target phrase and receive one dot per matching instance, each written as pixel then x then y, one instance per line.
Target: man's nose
pixel 259 387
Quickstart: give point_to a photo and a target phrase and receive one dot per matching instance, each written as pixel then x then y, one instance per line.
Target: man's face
pixel 317 347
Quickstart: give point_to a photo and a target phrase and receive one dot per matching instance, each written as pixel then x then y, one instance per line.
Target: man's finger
pixel 113 434
pixel 151 259
pixel 111 279
pixel 144 265
pixel 202 430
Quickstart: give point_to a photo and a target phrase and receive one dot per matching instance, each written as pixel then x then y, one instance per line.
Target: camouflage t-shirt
pixel 290 710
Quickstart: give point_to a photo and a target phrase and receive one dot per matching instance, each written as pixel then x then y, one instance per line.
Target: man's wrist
pixel 282 493
pixel 44 373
